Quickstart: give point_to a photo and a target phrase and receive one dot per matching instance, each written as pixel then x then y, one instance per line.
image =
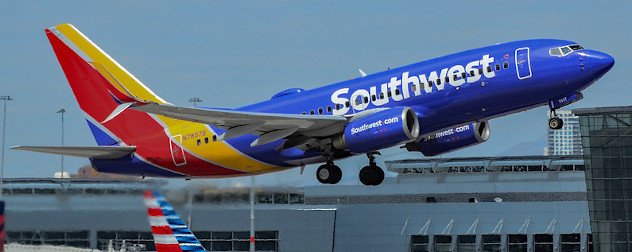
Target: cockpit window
pixel 564 50
pixel 555 51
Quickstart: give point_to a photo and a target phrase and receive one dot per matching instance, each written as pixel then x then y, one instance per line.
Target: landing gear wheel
pixel 556 123
pixel 329 174
pixel 371 175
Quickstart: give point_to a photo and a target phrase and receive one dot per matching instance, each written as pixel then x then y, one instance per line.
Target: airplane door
pixel 523 65
pixel 177 153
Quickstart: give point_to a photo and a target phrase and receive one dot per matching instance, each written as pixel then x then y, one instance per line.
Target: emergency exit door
pixel 523 65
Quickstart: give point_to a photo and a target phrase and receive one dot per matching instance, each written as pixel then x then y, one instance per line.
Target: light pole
pixel 4 98
pixel 62 111
pixel 195 100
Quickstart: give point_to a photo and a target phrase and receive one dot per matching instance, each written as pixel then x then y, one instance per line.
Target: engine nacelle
pixel 452 139
pixel 379 130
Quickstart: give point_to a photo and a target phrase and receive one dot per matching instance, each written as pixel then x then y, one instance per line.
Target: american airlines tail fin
pixel 101 86
pixel 170 232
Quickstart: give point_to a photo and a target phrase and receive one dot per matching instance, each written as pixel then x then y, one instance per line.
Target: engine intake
pixel 379 130
pixel 452 139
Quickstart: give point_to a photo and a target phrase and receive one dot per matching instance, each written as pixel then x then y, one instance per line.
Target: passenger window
pixel 303 113
pixel 320 111
pixel 206 140
pixel 447 79
pixel 311 112
pixel 357 101
pixel 438 81
pixel 389 94
pixel 366 99
pixel 338 106
pixel 489 69
pixel 505 65
pixel 381 96
pixel 430 83
pixel 347 104
pixel 329 109
pixel 373 97
pixel 472 73
pixel 463 75
pixel 413 88
pixel 396 91
pixel 497 67
pixel 199 142
pixel 455 77
pixel 480 71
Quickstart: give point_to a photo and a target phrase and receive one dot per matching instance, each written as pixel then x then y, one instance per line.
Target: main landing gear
pixel 329 173
pixel 555 122
pixel 372 174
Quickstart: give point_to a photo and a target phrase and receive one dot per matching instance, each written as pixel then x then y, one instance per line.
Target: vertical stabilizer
pixel 101 85
pixel 170 232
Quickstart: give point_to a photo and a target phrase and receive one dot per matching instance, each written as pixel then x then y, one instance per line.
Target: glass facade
pixel 564 141
pixel 607 141
pixel 573 242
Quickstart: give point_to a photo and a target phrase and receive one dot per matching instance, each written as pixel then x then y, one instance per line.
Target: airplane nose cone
pixel 598 62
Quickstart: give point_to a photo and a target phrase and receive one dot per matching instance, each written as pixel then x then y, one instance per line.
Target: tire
pixel 337 172
pixel 556 123
pixel 379 176
pixel 323 174
pixel 371 175
pixel 328 174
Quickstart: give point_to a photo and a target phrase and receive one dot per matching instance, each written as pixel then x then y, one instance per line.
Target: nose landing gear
pixel 372 174
pixel 555 122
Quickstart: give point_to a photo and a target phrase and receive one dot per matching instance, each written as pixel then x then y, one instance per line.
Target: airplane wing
pixel 268 126
pixel 96 152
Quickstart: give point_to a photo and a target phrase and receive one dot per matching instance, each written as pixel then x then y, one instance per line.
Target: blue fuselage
pixel 469 86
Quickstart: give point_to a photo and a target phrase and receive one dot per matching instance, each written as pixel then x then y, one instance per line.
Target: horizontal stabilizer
pixel 96 152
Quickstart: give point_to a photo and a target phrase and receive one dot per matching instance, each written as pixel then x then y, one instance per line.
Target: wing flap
pixel 309 125
pixel 96 152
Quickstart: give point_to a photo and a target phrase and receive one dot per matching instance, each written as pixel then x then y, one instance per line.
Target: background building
pixel 567 140
pixel 535 203
pixel 607 140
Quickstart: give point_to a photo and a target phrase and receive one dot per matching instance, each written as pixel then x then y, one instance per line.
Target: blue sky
pixel 232 53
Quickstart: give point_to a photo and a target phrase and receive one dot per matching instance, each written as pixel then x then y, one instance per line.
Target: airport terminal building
pixel 535 203
pixel 528 203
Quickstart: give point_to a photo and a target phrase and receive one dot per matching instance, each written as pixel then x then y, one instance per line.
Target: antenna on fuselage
pixel 362 72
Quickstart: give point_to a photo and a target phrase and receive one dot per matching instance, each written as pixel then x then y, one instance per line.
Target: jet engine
pixel 379 130
pixel 451 139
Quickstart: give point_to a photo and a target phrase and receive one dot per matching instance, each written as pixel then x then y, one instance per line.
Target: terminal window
pixel 517 242
pixel 238 241
pixel 543 242
pixel 126 240
pixel 443 243
pixel 466 243
pixel 420 243
pixel 79 239
pixel 570 242
pixel 491 243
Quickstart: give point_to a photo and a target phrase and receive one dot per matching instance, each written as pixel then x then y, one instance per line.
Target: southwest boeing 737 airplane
pixel 433 107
